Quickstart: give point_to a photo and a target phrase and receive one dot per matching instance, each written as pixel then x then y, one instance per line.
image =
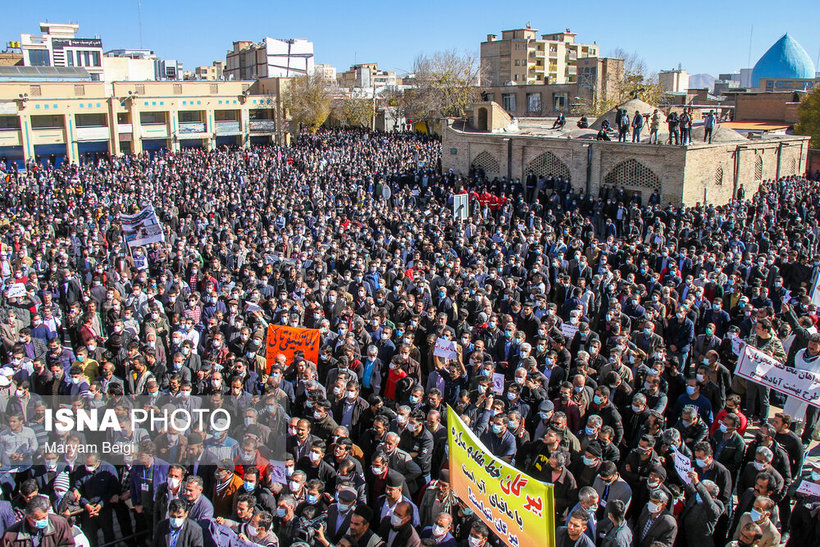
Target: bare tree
pixel 354 111
pixel 446 85
pixel 307 100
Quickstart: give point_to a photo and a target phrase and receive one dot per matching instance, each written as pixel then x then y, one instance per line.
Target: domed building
pixel 786 59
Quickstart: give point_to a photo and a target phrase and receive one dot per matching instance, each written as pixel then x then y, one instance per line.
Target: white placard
pixel 17 290
pixel 445 349
pixel 568 331
pixel 808 488
pixel 737 345
pixel 756 366
pixel 461 206
pixel 498 383
pixel 683 466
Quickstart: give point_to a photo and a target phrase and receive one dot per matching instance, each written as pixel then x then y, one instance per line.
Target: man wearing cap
pixel 360 531
pixel 339 514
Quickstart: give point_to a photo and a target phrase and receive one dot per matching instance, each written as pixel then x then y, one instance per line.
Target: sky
pixel 703 37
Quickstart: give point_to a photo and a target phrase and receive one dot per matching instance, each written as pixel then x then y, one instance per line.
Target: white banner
pixel 142 228
pixel 17 290
pixel 683 466
pixel 461 206
pixel 498 383
pixel 758 367
pixel 445 349
pixel 568 331
pixel 809 488
pixel 815 292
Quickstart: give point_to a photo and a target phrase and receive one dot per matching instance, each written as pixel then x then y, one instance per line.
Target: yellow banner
pixel 518 508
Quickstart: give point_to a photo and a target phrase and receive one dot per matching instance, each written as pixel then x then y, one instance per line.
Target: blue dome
pixel 785 59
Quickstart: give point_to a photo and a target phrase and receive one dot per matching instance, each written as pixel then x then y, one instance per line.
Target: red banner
pixel 289 340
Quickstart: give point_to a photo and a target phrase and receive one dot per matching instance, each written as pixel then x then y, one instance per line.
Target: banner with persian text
pixel 518 508
pixel 289 340
pixel 756 366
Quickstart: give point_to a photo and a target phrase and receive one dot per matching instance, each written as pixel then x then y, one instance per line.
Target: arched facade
pixel 547 164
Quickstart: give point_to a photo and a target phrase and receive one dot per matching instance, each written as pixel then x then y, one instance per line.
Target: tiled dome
pixel 785 59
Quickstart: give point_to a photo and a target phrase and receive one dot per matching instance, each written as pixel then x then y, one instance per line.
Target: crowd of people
pixel 612 324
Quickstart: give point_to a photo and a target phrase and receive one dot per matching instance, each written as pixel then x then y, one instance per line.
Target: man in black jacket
pixel 178 530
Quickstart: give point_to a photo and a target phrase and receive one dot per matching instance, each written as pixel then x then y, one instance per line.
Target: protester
pixel 593 336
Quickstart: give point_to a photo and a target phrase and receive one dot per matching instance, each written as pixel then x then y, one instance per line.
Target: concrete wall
pixel 775 107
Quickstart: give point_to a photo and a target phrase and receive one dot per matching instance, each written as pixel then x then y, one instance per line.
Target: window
pixel 534 102
pixel 123 117
pixel 559 101
pixel 758 168
pixel 515 77
pixel 79 90
pixel 152 118
pixel 719 175
pixel 486 163
pixel 214 89
pixel 95 58
pixel 9 123
pixel 508 102
pixel 177 89
pixel 86 58
pixel 517 62
pixel 548 164
pixel 190 116
pixel 140 89
pixel 39 57
pixel 90 120
pixel 49 121
pixel 69 57
pixel 490 97
pixel 633 173
pixel 34 91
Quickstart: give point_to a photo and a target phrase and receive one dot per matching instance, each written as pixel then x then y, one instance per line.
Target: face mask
pixel 723 428
pixel 438 531
pixel 596 400
pixel 314 457
pixel 317 415
pixel 588 462
pixel 815 476
pixel 396 521
pixel 294 486
pixel 700 463
pixel 473 541
pixel 312 499
pixel 690 390
pixel 249 486
pixel 376 470
pixel 498 428
pixel 176 522
pixel 413 399
pixel 759 466
pixel 252 530
pixel 511 396
pixel 281 512
pixel 41 524
pixel 652 507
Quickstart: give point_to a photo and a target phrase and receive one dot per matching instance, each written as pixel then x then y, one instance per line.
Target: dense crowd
pixel 596 336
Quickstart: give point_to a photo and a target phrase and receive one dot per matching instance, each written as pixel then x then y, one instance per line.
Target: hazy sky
pixel 702 36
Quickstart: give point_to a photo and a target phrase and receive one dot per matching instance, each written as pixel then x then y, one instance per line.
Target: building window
pixel 758 168
pixel 79 90
pixel 214 89
pixel 152 118
pixel 34 91
pixel 508 102
pixel 490 97
pixel 632 173
pixel 95 57
pixel 39 57
pixel 53 121
pixel 719 175
pixel 139 88
pixel 534 102
pixel 69 57
pixel 91 120
pixel 517 62
pixel 559 101
pixel 515 77
pixel 12 123
pixel 177 89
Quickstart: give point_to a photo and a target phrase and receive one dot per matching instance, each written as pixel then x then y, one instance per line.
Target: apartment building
pixel 71 121
pixel 59 46
pixel 270 58
pixel 521 57
pixel 366 75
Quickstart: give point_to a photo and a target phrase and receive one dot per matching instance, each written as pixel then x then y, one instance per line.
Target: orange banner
pixel 289 340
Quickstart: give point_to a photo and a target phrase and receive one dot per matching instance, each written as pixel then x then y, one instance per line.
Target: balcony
pixel 186 128
pixel 262 126
pixel 90 134
pixel 228 127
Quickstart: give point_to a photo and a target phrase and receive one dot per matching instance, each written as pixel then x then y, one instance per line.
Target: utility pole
pixel 139 19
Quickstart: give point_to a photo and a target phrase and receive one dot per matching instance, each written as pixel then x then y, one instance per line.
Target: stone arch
pixel 547 164
pixel 759 168
pixel 633 173
pixel 719 175
pixel 487 163
pixel 483 119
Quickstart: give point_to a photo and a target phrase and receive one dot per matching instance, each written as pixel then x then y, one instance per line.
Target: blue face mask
pixel 413 399
pixel 281 512
pixel 41 524
pixel 544 415
pixel 596 400
pixel 498 428
pixel 700 463
pixel 312 499
pixel 248 486
pixel 589 431
pixel 755 515
pixel 588 462
pixel 690 390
